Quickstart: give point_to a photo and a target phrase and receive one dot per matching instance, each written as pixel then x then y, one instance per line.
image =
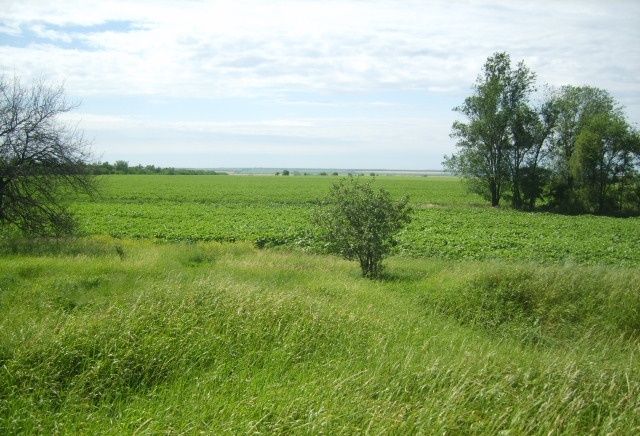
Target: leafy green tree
pixel 359 222
pixel 574 107
pixel 576 150
pixel 602 163
pixel 530 128
pixel 486 156
pixel 42 160
pixel 591 153
pixel 122 166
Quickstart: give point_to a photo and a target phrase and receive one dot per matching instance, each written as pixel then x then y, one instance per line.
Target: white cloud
pixel 248 47
pixel 363 130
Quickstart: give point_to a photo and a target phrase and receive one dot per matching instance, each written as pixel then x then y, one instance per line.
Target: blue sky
pixel 341 84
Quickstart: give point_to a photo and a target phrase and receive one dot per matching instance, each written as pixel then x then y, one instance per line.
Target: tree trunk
pixel 602 184
pixel 516 200
pixel 363 266
pixel 601 196
pixel 495 196
pixel 3 184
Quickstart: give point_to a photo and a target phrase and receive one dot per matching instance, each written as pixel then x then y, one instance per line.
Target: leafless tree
pixel 42 158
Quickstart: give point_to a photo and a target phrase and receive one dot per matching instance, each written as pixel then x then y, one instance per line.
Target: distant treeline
pixel 122 167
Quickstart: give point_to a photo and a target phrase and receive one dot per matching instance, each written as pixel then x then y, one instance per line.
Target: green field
pixel 166 318
pixel 449 223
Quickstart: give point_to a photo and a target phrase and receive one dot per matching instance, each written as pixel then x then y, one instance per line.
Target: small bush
pixel 359 222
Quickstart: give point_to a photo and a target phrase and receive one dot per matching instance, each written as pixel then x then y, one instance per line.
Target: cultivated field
pixel 449 223
pixel 487 320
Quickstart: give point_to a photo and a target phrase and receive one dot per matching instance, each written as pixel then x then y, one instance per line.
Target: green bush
pixel 359 222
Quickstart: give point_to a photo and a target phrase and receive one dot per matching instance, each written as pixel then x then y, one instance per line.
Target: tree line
pixel 572 150
pixel 123 167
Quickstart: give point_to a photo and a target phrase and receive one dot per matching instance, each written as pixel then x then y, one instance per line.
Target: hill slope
pixel 114 336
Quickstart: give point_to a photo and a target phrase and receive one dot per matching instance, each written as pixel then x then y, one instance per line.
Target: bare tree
pixel 42 158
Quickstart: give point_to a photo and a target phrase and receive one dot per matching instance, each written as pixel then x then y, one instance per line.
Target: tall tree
pixel 42 159
pixel 576 149
pixel 482 140
pixel 530 129
pixel 602 164
pixel 486 155
pixel 574 107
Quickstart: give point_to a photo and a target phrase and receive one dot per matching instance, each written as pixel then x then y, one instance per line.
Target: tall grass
pixel 229 339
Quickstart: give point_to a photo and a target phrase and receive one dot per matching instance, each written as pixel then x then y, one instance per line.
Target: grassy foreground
pixel 107 336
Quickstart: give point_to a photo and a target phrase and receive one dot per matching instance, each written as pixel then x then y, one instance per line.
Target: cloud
pixel 238 47
pixel 362 130
pixel 333 69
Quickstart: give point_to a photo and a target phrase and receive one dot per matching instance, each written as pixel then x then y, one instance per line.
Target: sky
pixel 302 84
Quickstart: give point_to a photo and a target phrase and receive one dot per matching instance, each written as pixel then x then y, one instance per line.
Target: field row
pixel 274 211
pixel 269 190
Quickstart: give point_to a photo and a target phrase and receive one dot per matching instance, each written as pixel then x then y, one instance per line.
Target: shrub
pixel 359 222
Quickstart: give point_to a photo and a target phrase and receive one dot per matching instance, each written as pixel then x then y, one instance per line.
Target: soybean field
pixel 449 222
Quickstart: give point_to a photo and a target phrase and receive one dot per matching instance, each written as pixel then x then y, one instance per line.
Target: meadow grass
pixel 114 336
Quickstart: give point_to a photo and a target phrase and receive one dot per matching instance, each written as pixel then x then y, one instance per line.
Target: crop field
pixel 448 222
